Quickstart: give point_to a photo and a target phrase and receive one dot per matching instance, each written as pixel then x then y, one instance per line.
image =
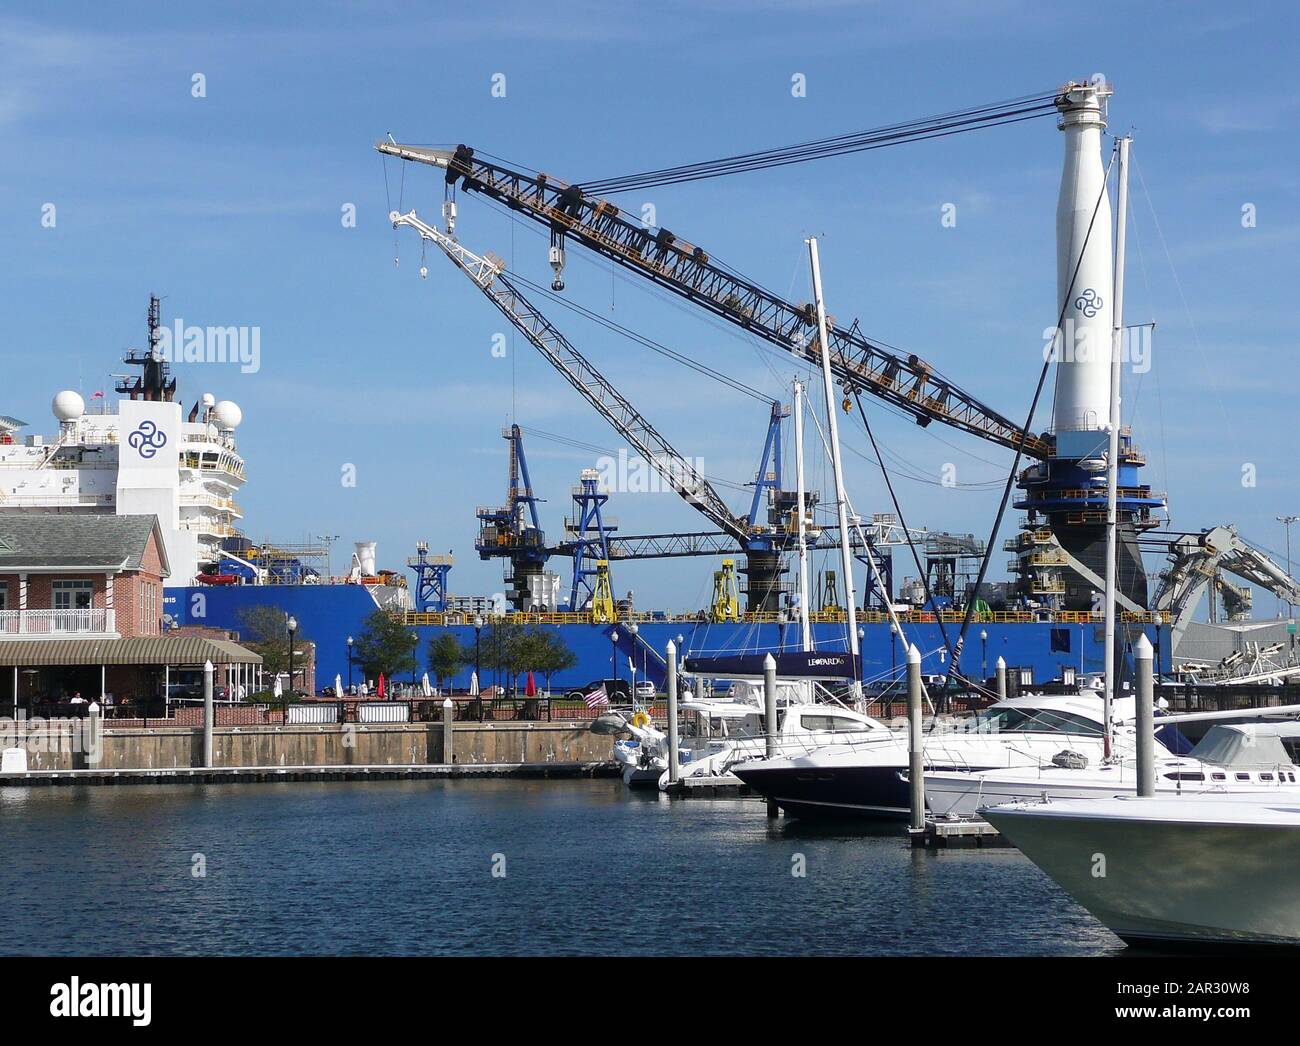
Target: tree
pixel 265 630
pixel 502 646
pixel 447 657
pixel 548 653
pixel 386 644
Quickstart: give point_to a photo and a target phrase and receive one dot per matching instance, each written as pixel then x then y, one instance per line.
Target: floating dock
pixel 948 835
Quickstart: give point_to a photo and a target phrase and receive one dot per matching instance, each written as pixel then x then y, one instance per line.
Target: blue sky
pixel 229 206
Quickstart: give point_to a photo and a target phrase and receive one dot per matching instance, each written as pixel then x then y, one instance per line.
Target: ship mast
pixel 1112 453
pixel 805 629
pixel 837 465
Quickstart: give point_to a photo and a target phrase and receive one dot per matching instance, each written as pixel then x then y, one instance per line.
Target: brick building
pixel 81 612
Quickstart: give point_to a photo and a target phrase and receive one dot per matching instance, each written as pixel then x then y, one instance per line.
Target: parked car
pixel 645 690
pixel 618 690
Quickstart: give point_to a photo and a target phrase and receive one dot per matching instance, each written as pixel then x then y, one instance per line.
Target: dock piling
pixel 1002 678
pixel 915 740
pixel 674 756
pixel 1146 738
pixel 208 715
pixel 769 717
pixel 448 728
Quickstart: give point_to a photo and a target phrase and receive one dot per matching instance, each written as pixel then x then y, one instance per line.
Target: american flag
pixel 597 697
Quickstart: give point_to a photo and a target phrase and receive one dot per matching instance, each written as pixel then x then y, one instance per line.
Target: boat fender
pixel 1070 760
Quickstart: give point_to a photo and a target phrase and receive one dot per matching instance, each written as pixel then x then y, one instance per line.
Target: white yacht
pixel 730 730
pixel 867 776
pixel 1204 869
pixel 1230 758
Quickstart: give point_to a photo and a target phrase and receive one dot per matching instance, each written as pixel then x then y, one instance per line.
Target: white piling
pixel 769 717
pixel 1146 738
pixel 915 740
pixel 448 731
pixel 769 704
pixel 1002 679
pixel 207 714
pixel 674 756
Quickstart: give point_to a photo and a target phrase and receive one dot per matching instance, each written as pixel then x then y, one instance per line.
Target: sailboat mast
pixel 1112 454
pixel 805 629
pixel 837 467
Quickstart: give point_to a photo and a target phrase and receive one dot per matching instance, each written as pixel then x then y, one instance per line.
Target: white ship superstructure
pixel 141 458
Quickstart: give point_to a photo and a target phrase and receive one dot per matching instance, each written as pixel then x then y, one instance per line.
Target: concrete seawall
pixel 62 746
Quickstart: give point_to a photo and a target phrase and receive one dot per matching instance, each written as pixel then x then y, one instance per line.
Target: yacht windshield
pixel 1033 721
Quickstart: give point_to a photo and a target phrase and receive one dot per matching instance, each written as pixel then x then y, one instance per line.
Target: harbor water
pixel 496 867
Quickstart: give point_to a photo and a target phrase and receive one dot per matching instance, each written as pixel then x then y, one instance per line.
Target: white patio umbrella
pixel 425 687
pixel 473 684
pixel 278 689
pixel 338 686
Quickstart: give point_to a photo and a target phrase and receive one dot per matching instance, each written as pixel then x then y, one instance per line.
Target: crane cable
pixel 994 114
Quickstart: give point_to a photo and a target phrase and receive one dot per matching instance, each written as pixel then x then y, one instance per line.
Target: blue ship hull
pixel 328 614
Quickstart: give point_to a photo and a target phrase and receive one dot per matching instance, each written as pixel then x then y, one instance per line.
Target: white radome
pixel 68 405
pixel 208 400
pixel 227 414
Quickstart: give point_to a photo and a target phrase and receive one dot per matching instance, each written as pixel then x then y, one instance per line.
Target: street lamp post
pixel 633 629
pixel 415 659
pixel 293 630
pixel 984 653
pixel 478 662
pixel 631 661
pixel 893 651
pixel 350 642
pixel 781 618
pixel 613 652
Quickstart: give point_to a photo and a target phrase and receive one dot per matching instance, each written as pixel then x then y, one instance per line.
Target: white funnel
pixel 1083 241
pixel 366 557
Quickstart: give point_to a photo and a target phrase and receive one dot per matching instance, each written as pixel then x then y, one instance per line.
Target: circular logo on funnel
pixel 147 439
pixel 1089 302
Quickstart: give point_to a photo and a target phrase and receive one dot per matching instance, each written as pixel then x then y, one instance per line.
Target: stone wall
pixel 63 745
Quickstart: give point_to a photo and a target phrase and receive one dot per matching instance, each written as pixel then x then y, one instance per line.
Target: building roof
pixel 34 541
pixel 139 650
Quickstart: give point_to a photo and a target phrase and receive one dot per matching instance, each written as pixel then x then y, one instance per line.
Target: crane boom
pixel 489 276
pixel 908 382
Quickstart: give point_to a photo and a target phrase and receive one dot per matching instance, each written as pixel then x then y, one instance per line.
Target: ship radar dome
pixel 208 400
pixel 227 414
pixel 68 406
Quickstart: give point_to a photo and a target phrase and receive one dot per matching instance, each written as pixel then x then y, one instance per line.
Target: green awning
pixel 140 650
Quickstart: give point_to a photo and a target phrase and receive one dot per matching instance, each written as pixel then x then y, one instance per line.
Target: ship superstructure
pixel 141 457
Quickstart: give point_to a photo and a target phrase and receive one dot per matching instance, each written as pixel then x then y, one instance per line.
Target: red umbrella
pixel 380 688
pixel 530 688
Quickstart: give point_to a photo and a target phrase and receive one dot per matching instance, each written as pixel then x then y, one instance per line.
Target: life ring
pixel 641 720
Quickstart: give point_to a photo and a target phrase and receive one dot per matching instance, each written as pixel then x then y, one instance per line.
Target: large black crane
pixel 908 382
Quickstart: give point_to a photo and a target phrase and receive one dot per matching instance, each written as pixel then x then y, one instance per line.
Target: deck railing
pixel 92 620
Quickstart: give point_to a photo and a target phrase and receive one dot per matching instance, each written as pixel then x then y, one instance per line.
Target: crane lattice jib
pixel 489 276
pixel 908 382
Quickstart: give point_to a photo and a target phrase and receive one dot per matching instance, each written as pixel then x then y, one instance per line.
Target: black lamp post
pixel 478 662
pixel 350 642
pixel 293 630
pixel 415 656
pixel 613 652
pixel 633 629
pixel 984 653
pixel 781 618
pixel 893 652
